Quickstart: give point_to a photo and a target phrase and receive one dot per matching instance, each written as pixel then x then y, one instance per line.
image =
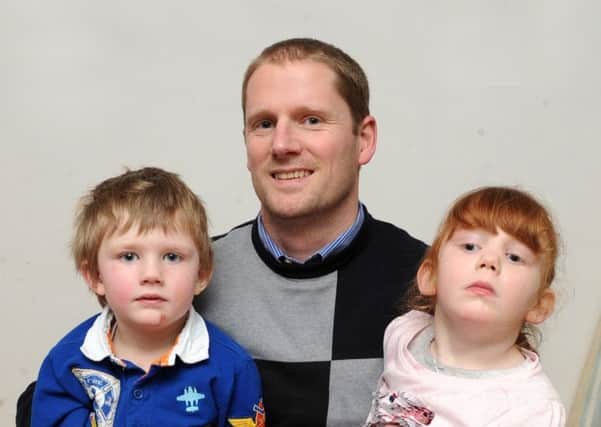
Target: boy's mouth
pixel 150 298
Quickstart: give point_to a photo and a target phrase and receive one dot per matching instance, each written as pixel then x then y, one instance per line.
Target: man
pixel 310 284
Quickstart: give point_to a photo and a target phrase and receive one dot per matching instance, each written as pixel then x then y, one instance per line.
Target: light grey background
pixel 465 93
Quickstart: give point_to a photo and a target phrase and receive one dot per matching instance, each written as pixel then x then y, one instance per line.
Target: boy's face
pixel 148 280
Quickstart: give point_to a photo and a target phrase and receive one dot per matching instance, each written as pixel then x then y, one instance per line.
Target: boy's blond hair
pixel 147 198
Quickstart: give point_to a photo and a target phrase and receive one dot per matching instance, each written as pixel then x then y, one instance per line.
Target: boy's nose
pixel 151 273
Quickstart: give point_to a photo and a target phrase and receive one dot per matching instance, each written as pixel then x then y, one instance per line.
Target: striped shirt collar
pixel 336 245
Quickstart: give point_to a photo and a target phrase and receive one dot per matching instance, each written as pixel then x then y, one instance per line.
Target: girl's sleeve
pixel 548 414
pixel 57 400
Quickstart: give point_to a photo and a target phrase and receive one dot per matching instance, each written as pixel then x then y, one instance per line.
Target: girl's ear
pixel 93 280
pixel 543 308
pixel 425 280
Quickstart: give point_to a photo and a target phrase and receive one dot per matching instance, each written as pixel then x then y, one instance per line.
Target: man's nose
pixel 285 139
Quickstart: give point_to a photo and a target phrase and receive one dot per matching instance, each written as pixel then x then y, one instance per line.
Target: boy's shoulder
pixel 75 336
pixel 222 346
pixel 67 351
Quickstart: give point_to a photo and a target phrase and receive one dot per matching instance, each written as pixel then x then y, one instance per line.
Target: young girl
pixel 465 355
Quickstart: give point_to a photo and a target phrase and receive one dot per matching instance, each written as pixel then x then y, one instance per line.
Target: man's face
pixel 301 151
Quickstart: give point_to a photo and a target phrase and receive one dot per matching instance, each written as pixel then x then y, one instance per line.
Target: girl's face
pixel 489 279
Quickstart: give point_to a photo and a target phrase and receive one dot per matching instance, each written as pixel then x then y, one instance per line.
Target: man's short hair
pixel 351 82
pixel 147 198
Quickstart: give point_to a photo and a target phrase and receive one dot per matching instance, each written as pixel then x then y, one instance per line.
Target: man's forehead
pixel 304 73
pixel 292 66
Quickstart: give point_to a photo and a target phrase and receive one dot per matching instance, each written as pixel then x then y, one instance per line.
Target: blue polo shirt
pixel 205 379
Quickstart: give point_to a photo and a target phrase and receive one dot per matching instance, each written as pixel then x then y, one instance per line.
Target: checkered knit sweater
pixel 315 331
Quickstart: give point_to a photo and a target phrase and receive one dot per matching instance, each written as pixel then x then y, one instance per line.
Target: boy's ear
pixel 425 280
pixel 203 281
pixel 543 308
pixel 93 280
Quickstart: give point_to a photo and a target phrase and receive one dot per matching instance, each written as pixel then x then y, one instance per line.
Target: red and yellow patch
pixel 259 414
pixel 259 420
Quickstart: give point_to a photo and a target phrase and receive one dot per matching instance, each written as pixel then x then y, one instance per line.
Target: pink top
pixel 523 397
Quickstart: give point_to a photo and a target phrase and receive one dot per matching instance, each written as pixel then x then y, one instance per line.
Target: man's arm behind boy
pixel 23 418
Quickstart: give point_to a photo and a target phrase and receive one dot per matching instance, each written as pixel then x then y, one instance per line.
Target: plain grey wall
pixel 465 93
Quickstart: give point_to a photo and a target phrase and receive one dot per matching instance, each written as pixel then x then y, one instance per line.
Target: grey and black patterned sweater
pixel 315 331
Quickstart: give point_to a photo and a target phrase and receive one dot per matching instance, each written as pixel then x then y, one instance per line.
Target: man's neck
pixel 302 237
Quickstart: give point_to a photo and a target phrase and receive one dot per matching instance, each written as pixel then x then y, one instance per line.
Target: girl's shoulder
pixel 407 326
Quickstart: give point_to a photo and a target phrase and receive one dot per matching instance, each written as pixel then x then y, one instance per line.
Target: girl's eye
pixel 172 257
pixel 514 258
pixel 470 247
pixel 128 256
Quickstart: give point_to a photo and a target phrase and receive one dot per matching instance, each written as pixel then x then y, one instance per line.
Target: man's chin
pixel 286 210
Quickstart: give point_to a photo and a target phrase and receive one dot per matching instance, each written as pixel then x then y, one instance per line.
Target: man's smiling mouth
pixel 292 174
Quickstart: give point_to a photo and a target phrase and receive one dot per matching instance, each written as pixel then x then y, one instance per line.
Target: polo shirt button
pixel 138 393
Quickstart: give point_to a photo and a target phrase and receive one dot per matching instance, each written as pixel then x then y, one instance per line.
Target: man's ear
pixel 367 133
pixel 426 282
pixel 203 281
pixel 543 308
pixel 93 280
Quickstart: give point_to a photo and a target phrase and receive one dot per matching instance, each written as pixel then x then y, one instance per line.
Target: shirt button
pixel 138 394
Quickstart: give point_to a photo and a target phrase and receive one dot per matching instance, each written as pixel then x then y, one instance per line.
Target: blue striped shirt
pixel 336 245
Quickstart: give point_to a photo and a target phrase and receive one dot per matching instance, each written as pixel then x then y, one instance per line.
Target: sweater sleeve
pixel 58 400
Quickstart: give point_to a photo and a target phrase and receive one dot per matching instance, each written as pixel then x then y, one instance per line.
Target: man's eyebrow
pixel 251 117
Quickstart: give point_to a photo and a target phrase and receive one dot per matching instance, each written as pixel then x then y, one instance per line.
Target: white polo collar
pixel 192 342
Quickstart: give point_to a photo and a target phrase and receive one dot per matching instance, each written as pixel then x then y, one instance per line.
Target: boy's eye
pixel 172 257
pixel 128 256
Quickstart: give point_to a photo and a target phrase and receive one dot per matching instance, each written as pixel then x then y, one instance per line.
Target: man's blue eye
pixel 312 120
pixel 264 124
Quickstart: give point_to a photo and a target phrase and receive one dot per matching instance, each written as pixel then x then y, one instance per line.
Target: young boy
pixel 148 358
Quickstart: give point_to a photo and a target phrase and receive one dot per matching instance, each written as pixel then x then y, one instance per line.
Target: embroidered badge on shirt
pixel 260 414
pixel 191 397
pixel 241 422
pixel 104 391
pixel 259 420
